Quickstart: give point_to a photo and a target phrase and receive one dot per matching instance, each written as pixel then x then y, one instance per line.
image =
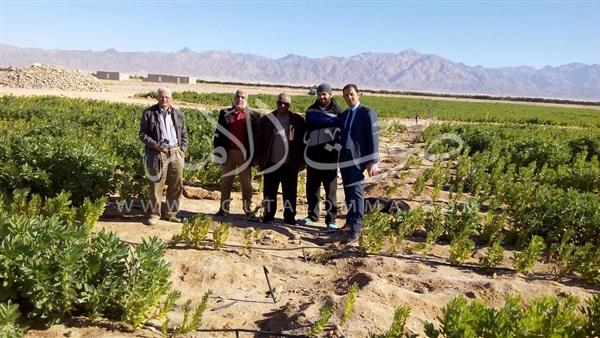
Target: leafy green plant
pixel 193 231
pixel 562 254
pixel 90 212
pixel 398 324
pixel 524 260
pixel 392 189
pixel 247 239
pixel 493 222
pixel 460 227
pixel 352 292
pixel 461 248
pixel 550 316
pixel 418 186
pixel 434 226
pixel 146 281
pixel 441 174
pixel 376 227
pixel 41 265
pixel 592 312
pixel 412 160
pixel 61 206
pixel 9 316
pixel 172 297
pixel 220 235
pixel 585 262
pixel 494 253
pixel 325 313
pixel 193 323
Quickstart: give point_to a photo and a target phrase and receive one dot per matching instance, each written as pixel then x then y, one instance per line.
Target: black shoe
pixel 290 221
pixel 220 213
pixel 267 220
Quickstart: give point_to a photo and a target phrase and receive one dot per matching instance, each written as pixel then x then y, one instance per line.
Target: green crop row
pixel 445 110
pixel 88 148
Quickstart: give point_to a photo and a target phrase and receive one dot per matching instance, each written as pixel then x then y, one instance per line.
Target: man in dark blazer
pixel 359 153
pixel 163 131
pixel 234 145
pixel 280 144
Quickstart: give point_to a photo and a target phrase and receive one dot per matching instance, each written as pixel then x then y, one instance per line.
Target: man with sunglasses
pixel 280 157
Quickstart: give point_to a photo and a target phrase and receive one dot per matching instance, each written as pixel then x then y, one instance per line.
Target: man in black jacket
pixel 235 149
pixel 163 131
pixel 321 155
pixel 280 148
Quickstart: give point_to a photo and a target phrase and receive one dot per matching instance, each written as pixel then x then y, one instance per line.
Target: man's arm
pixel 184 134
pixel 144 134
pixel 219 136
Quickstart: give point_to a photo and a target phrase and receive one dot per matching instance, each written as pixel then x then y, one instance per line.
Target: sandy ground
pixel 307 266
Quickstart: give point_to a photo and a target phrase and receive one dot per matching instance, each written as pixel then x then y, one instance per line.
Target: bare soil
pixel 307 266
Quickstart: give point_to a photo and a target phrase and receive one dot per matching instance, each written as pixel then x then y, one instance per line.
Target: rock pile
pixel 38 76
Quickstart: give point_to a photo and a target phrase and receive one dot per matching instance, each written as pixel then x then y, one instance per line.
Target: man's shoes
pixel 304 221
pixel 331 226
pixel 347 228
pixel 173 219
pixel 220 213
pixel 152 220
pixel 290 221
pixel 352 241
pixel 267 220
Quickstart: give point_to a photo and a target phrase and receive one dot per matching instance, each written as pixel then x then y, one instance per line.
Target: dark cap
pixel 324 88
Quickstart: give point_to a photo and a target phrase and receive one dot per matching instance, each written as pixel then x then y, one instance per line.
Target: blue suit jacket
pixel 365 136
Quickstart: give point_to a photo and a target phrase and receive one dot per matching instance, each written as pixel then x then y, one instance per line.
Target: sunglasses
pixel 285 104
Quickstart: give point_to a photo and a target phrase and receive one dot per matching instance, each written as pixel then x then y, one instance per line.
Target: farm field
pixel 309 269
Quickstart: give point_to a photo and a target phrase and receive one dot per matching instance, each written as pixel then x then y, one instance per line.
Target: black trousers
pixel 288 177
pixel 314 179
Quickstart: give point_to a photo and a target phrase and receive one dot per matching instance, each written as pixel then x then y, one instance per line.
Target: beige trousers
pixel 169 173
pixel 234 164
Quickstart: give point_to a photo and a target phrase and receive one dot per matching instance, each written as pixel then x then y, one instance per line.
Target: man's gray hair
pixel 284 96
pixel 163 89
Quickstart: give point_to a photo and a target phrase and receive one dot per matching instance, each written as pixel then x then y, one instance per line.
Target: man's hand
pixel 291 133
pixel 372 169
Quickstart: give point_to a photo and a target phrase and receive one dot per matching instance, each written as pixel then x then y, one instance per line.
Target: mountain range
pixel 405 71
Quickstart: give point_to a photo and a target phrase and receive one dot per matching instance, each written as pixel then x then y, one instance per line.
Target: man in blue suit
pixel 359 153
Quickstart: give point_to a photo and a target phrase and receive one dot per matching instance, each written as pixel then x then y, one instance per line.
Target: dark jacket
pixel 364 134
pixel 150 129
pixel 266 132
pixel 221 137
pixel 322 134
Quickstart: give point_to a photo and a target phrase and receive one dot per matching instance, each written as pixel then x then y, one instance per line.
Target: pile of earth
pixel 39 76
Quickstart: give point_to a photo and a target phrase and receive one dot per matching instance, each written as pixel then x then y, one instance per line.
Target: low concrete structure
pixel 170 78
pixel 102 75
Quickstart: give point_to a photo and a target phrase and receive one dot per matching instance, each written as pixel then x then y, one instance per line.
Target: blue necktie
pixel 347 128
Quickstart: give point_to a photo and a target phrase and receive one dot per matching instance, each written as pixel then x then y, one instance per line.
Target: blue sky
pixel 487 33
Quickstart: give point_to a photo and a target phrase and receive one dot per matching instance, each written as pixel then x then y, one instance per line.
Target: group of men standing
pixel 281 143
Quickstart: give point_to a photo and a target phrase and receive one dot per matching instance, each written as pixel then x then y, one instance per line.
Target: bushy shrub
pixel 53 268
